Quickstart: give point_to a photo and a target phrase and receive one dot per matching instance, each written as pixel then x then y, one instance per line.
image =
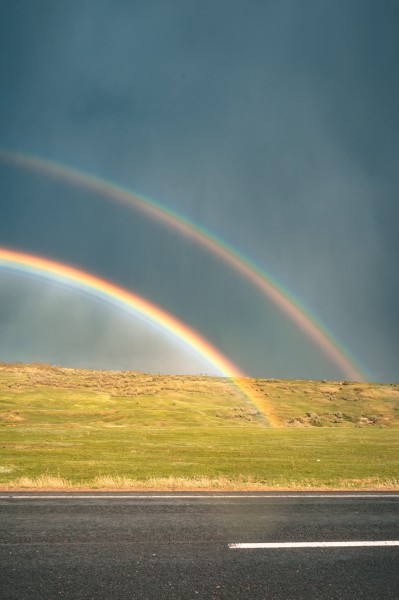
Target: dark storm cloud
pixel 275 124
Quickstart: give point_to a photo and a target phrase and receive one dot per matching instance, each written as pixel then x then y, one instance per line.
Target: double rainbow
pixel 269 288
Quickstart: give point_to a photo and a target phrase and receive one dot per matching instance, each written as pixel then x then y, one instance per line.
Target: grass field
pixel 66 428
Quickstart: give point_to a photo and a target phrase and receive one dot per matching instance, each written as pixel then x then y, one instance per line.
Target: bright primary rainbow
pixel 69 276
pixel 102 289
pixel 270 289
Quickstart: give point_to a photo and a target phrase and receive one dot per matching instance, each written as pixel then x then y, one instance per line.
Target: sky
pixel 271 124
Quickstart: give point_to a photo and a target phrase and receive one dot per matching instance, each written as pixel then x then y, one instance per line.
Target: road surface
pixel 195 546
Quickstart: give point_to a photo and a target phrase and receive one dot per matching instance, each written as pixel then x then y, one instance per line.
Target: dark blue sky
pixel 272 124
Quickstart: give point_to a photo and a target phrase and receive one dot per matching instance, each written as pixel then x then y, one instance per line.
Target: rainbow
pixel 269 288
pixel 43 268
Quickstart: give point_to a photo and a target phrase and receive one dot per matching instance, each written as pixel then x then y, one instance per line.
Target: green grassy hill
pixel 104 429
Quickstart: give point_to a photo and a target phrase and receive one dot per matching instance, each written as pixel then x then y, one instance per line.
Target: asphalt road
pixel 179 546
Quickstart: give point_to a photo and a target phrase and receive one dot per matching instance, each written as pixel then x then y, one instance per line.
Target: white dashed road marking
pixel 312 544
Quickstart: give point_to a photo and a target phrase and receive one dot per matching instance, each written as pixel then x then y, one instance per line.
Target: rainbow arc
pixel 13 261
pixel 69 276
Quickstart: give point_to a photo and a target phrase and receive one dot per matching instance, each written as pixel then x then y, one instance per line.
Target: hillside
pixel 123 397
pixel 125 427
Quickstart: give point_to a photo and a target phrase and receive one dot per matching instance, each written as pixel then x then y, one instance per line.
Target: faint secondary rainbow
pixel 11 260
pixel 273 291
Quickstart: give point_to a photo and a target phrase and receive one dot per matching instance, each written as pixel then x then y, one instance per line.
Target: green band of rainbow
pixel 274 292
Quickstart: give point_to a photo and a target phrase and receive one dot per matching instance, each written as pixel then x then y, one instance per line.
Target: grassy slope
pixel 64 427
